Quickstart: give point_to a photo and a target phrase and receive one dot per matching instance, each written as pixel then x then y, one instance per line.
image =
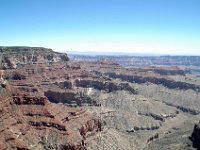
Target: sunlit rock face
pixel 29 120
pixel 51 102
pixel 16 56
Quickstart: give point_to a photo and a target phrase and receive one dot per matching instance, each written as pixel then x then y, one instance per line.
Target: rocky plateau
pixel 48 101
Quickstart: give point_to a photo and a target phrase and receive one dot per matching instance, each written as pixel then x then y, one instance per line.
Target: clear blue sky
pixel 137 26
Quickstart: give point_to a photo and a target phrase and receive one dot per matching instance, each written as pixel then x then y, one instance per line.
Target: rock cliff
pixel 50 102
pixel 11 57
pixel 195 137
pixel 28 118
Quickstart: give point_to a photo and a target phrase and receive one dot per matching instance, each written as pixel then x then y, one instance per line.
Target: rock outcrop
pixel 31 117
pixel 13 57
pixel 169 83
pixel 106 85
pixel 28 100
pixel 195 137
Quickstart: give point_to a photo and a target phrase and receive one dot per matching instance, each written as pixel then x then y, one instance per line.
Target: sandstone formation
pixel 28 119
pixel 12 57
pixel 51 102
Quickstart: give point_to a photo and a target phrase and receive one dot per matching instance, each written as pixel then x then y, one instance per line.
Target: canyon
pixel 50 100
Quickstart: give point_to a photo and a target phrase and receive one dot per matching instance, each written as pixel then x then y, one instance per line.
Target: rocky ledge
pixel 11 57
pixel 28 118
pixel 167 82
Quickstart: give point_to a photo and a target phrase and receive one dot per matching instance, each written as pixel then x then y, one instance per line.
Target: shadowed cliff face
pixel 51 102
pixel 195 137
pixel 169 83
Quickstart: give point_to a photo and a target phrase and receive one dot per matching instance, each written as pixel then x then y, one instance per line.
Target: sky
pixel 127 26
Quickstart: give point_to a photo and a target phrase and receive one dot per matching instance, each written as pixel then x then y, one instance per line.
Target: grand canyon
pixel 52 100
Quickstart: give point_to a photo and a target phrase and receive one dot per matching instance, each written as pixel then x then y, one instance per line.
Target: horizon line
pixel 109 53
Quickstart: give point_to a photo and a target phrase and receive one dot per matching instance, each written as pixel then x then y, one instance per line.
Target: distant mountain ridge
pixel 138 61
